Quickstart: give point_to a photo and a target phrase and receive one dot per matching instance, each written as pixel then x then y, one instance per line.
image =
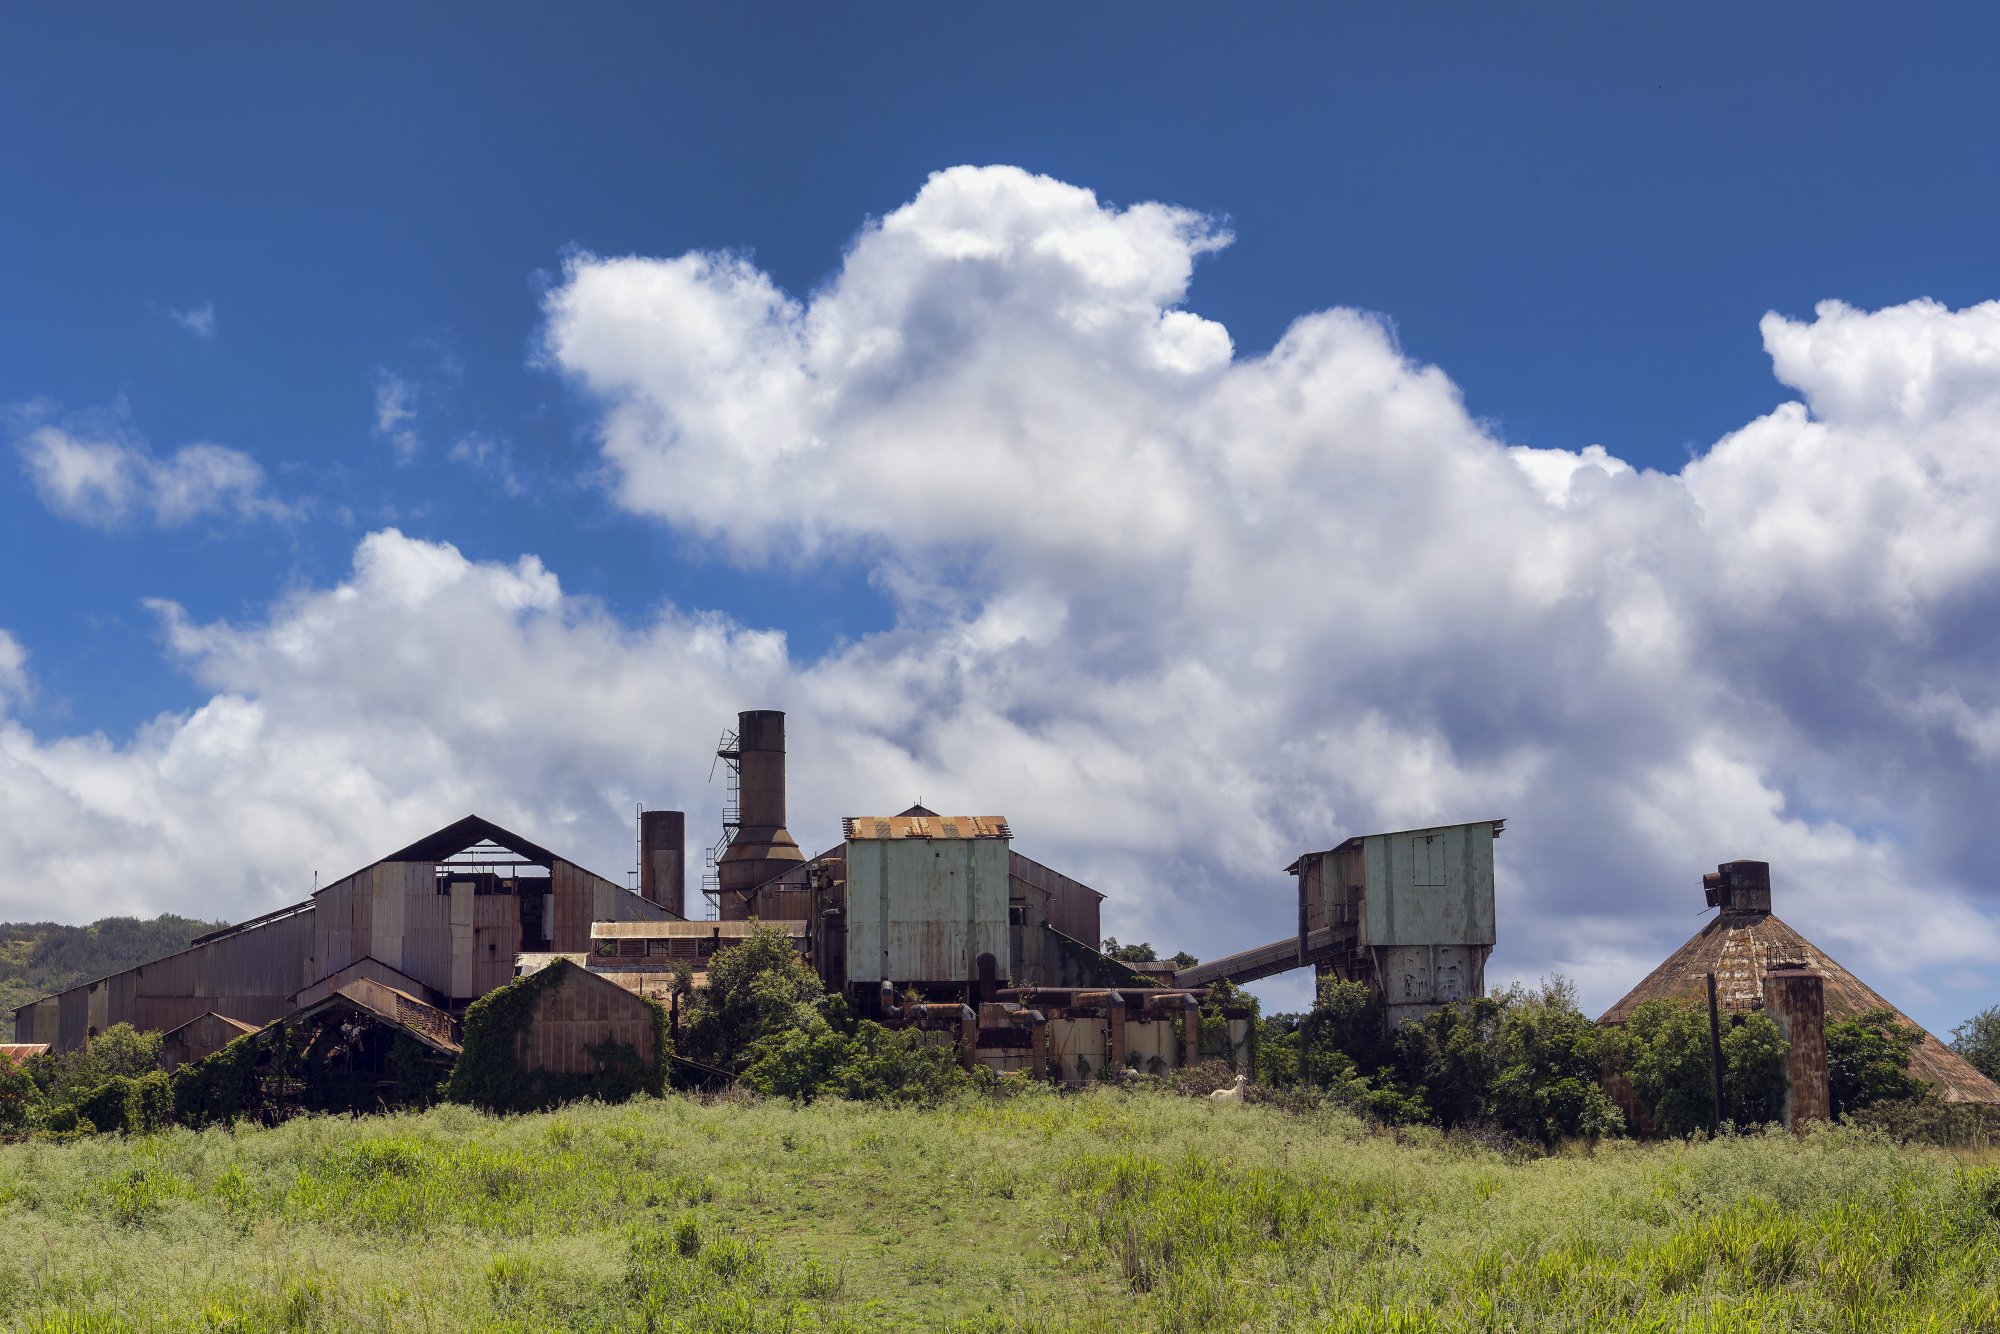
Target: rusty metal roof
pixel 695 930
pixel 426 1023
pixel 18 1052
pixel 925 826
pixel 1740 948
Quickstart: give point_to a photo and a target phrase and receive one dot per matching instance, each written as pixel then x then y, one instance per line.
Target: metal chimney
pixel 1742 888
pixel 762 848
pixel 663 859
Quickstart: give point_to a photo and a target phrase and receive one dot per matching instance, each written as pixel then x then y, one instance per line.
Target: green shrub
pixel 223 1086
pixel 489 1073
pixel 123 1104
pixel 1868 1059
pixel 875 1064
pixel 20 1099
pixel 119 1050
pixel 1546 1062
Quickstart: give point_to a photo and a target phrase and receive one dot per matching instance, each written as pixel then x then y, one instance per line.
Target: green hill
pixel 37 958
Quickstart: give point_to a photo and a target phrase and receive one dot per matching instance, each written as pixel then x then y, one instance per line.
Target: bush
pixel 1666 1055
pixel 118 1050
pixel 130 1106
pixel 874 1064
pixel 221 1087
pixel 1546 1069
pixel 1868 1059
pixel 20 1099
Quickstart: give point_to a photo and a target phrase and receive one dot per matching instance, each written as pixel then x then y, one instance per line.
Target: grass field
pixel 1108 1211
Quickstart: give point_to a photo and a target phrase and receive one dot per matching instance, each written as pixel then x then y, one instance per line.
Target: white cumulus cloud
pixel 1179 613
pixel 107 480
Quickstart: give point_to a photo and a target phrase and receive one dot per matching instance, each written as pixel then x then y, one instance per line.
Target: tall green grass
pixel 1105 1211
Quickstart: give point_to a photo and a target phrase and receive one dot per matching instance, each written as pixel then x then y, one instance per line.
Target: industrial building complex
pixel 919 918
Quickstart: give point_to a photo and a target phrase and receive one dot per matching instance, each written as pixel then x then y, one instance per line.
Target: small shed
pixel 559 1034
pixel 201 1036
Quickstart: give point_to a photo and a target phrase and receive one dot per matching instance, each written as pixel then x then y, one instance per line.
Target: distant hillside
pixel 37 958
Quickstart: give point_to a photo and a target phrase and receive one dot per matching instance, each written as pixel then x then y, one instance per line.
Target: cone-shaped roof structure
pixel 1745 941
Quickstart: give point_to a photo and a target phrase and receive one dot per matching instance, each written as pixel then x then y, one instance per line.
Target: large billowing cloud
pixel 1180 614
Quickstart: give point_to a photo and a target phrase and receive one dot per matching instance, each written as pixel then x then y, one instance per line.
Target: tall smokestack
pixel 762 848
pixel 663 859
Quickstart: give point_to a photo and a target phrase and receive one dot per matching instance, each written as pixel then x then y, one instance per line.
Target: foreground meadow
pixel 1107 1211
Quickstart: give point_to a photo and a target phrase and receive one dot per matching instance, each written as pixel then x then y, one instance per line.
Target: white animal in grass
pixel 1232 1095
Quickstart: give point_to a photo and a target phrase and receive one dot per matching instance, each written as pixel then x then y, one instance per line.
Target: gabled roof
pixel 426 1023
pixel 370 967
pixel 459 836
pixel 237 1024
pixel 1740 948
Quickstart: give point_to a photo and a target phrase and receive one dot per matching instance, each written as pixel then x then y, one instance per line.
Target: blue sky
pixel 329 242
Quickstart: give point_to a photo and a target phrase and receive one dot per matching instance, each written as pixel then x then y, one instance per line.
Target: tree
pixel 755 989
pixel 1548 1057
pixel 119 1051
pixel 1867 1061
pixel 1182 959
pixel 1667 1059
pixel 1139 953
pixel 1978 1041
pixel 1447 1058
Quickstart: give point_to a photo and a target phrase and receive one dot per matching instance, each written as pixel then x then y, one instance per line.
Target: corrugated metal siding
pixel 579 1012
pixel 923 910
pixel 574 895
pixel 333 926
pixel 496 939
pixel 1073 906
pixel 1429 886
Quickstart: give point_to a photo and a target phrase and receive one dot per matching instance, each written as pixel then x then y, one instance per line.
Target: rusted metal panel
pixel 496 939
pixel 861 828
pixel 1079 1047
pixel 427 936
pixel 333 925
pixel 575 905
pixel 694 930
pixel 1074 908
pixel 199 1038
pixel 1795 998
pixel 388 893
